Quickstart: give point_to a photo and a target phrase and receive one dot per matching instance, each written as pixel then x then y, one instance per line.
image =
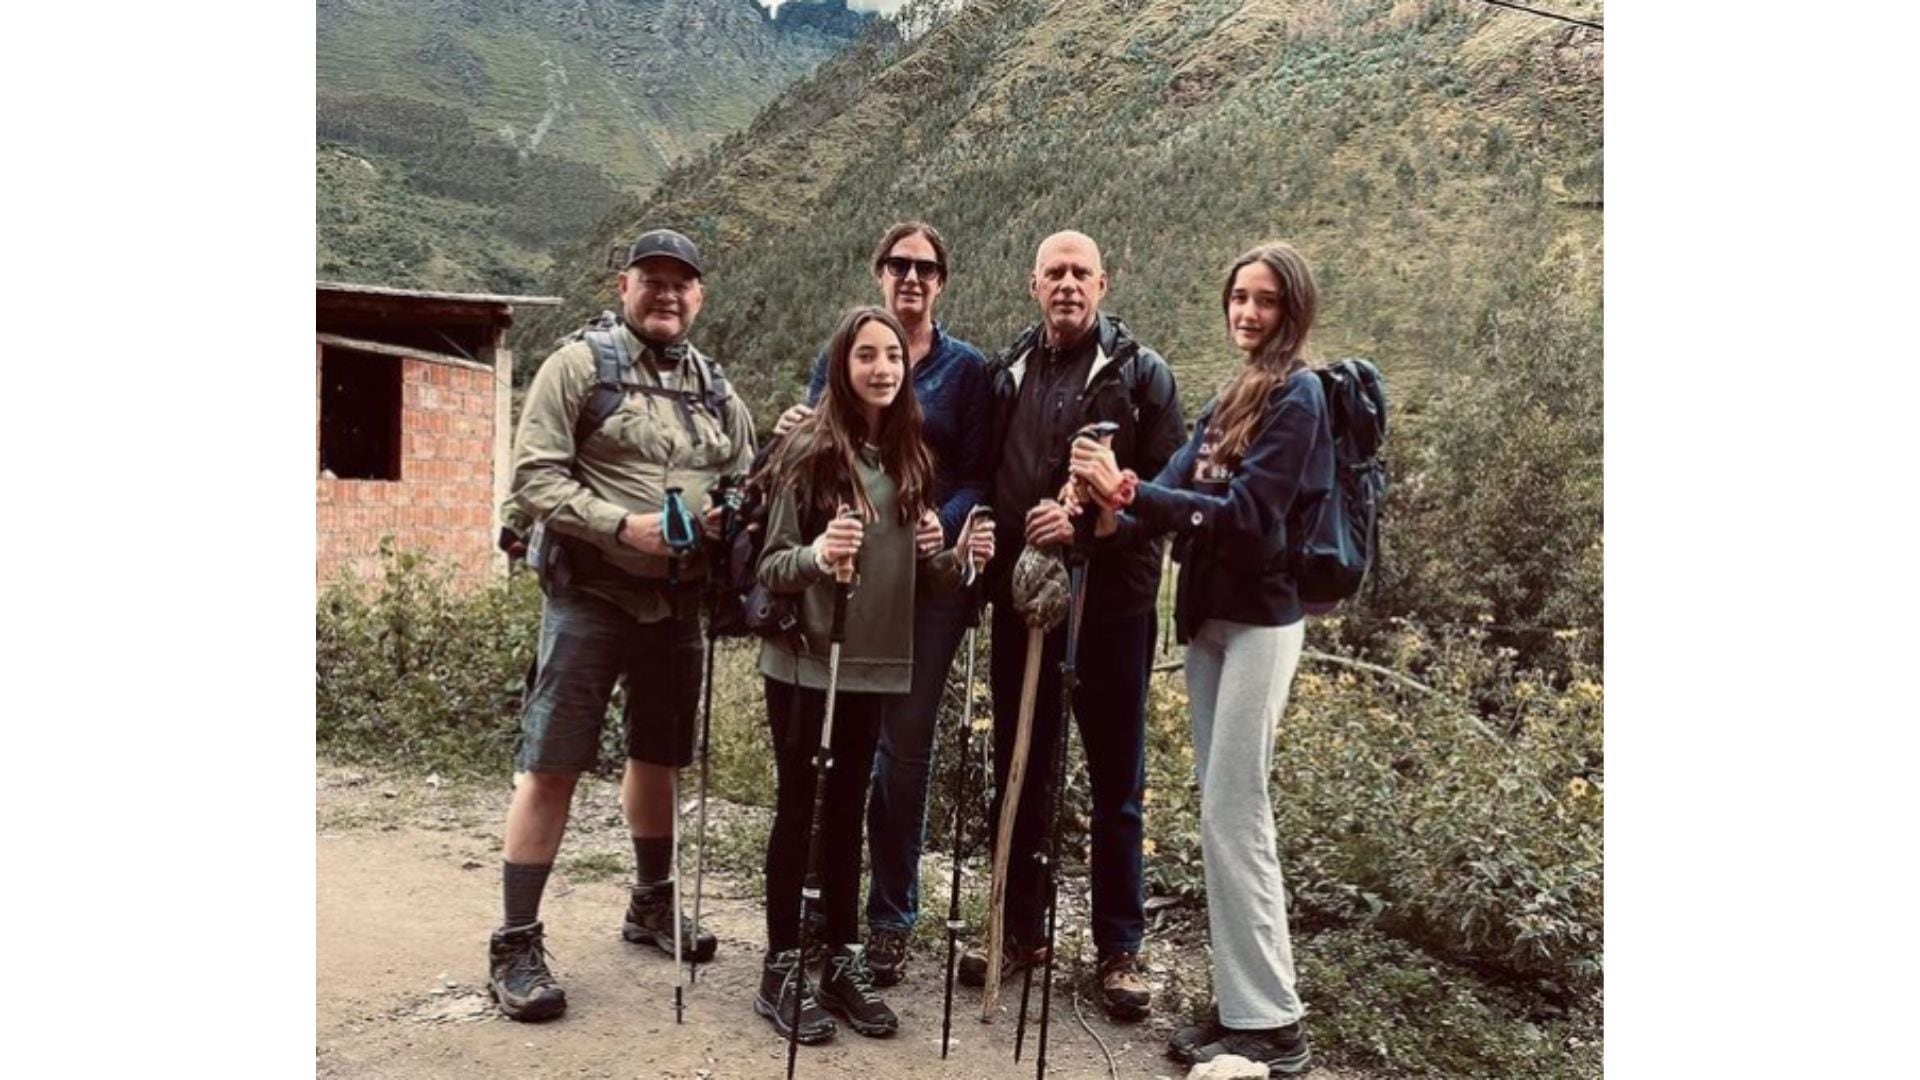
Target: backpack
pixel 611 358
pixel 741 605
pixel 1340 540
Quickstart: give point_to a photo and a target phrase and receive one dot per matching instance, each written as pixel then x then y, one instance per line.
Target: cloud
pixel 884 7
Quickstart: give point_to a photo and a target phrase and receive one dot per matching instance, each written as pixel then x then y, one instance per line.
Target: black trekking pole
pixel 978 516
pixel 822 765
pixel 682 535
pixel 726 495
pixel 1049 854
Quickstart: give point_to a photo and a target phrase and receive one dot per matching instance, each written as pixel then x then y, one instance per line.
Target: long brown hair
pixel 817 456
pixel 1242 406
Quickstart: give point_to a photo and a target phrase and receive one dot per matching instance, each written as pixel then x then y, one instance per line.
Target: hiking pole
pixel 955 925
pixel 1049 854
pixel 726 495
pixel 822 765
pixel 682 535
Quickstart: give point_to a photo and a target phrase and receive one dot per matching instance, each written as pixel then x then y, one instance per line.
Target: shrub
pixel 1473 838
pixel 411 672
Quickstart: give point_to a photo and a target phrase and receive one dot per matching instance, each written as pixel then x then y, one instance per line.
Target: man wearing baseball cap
pixel 620 413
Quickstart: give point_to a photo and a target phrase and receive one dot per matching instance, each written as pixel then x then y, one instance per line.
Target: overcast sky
pixel 857 5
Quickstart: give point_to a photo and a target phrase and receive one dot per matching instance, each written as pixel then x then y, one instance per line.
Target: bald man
pixel 1074 367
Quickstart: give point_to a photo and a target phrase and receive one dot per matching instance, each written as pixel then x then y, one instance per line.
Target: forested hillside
pixel 461 141
pixel 1438 162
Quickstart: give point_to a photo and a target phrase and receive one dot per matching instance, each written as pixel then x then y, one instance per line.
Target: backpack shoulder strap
pixel 610 360
pixel 715 387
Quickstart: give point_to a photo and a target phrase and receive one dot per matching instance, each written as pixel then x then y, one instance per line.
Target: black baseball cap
pixel 667 244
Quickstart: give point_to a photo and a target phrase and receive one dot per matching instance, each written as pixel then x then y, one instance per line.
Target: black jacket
pixel 1132 386
pixel 1235 539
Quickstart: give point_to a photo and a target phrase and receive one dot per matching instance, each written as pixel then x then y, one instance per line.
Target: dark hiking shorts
pixel 586 643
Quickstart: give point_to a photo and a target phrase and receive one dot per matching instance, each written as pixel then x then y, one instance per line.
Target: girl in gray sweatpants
pixel 1258 464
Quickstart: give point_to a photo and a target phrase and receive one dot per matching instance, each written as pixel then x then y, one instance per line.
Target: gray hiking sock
pixel 523 885
pixel 653 859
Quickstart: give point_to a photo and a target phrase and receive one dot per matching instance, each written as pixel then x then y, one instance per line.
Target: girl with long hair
pixel 851 482
pixel 1259 459
pixel 911 267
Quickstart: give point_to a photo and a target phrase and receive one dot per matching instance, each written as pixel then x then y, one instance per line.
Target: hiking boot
pixel 1014 959
pixel 846 989
pixel 518 978
pixel 1187 1041
pixel 1283 1049
pixel 650 922
pixel 779 977
pixel 1122 990
pixel 887 955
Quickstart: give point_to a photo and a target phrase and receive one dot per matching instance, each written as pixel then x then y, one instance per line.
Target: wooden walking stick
pixel 1040 596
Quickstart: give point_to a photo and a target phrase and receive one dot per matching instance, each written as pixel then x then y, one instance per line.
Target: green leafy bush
pixel 1474 838
pixel 412 672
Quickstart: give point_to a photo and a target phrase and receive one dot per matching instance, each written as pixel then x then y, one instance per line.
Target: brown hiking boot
pixel 887 955
pixel 1122 990
pixel 1014 959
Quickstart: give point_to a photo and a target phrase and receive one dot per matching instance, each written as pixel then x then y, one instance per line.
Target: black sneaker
pixel 1283 1049
pixel 518 978
pixel 1187 1041
pixel 887 955
pixel 1014 959
pixel 775 1000
pixel 846 989
pixel 650 922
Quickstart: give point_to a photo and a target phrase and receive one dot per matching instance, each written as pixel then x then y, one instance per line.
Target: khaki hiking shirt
pixel 626 466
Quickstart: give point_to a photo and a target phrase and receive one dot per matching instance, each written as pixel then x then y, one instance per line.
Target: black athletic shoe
pixel 1283 1049
pixel 1014 959
pixel 650 922
pixel 518 978
pixel 775 1000
pixel 846 989
pixel 887 955
pixel 1187 1041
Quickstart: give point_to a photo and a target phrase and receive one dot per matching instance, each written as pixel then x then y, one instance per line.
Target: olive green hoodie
pixel 878 654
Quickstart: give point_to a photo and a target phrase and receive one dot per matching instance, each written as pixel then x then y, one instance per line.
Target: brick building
pixel 412 438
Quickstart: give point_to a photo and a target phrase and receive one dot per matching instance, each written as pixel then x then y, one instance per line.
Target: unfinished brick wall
pixel 443 502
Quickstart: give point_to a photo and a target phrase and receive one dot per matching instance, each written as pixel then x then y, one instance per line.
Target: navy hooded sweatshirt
pixel 1234 528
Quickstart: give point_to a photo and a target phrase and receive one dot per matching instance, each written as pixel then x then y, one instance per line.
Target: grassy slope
pixel 524 121
pixel 1420 153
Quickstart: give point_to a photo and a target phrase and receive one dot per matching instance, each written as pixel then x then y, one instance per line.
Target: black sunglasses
pixel 898 267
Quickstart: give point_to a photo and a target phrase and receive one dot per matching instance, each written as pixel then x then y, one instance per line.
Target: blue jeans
pixel 897 811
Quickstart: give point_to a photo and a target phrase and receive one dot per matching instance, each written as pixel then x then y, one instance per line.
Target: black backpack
pixel 1341 536
pixel 742 607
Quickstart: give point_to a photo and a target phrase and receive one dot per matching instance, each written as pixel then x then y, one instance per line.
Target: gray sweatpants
pixel 1237 681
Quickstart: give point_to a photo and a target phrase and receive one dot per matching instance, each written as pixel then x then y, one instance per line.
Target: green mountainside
pixel 462 141
pixel 1426 155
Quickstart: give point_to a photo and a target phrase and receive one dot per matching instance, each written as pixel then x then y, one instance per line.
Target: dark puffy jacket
pixel 1132 386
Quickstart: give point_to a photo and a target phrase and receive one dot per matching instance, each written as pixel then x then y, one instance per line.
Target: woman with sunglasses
pixel 950 382
pixel 1260 458
pixel 851 483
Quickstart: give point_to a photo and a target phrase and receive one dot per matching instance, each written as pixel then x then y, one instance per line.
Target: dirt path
pixel 409 890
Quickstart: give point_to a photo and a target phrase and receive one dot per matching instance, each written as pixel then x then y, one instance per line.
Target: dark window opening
pixel 359 414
